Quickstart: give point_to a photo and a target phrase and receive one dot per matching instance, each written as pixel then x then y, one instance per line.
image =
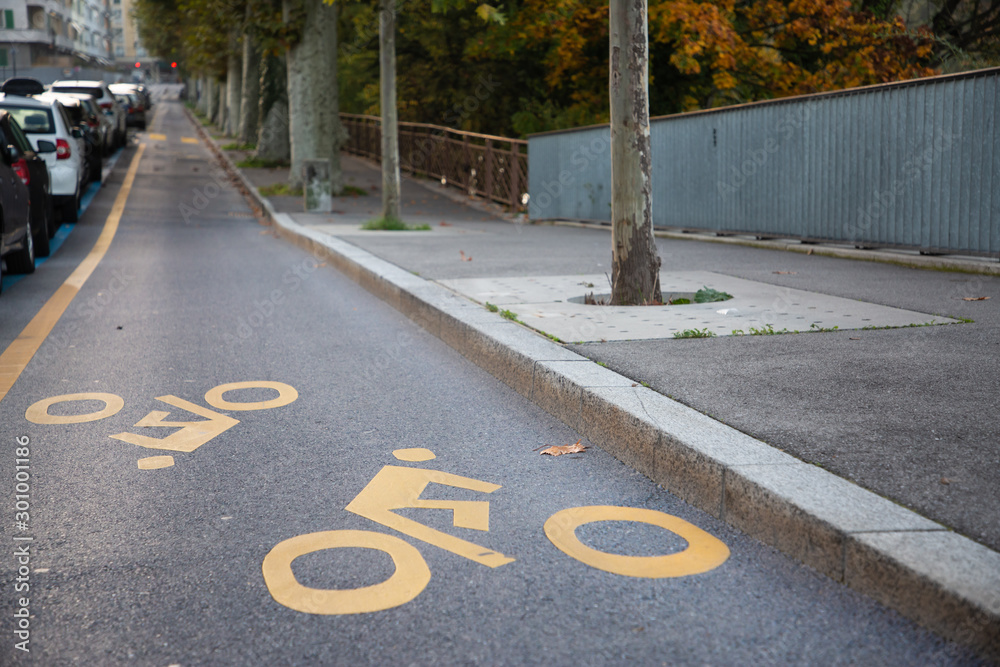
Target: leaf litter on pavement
pixel 559 450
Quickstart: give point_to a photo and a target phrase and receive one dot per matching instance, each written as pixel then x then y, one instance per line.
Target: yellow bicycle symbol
pixel 397 487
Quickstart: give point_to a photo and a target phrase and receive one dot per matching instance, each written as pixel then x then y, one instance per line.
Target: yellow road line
pixel 17 355
pixel 188 140
pixel 156 137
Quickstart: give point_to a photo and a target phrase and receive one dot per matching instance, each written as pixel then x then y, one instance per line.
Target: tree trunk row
pixel 287 105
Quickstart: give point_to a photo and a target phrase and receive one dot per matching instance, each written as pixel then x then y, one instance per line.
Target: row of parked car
pixel 53 141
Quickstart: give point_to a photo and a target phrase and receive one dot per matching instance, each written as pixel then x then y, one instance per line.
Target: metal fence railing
pixel 488 166
pixel 914 164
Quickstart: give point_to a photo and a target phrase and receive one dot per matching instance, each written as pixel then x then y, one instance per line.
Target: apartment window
pixel 8 19
pixel 3 58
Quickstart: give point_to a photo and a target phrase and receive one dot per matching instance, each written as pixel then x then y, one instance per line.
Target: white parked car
pixel 47 120
pixel 102 124
pixel 105 98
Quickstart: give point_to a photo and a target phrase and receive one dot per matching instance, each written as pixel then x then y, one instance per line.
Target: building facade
pixel 51 39
pixel 128 49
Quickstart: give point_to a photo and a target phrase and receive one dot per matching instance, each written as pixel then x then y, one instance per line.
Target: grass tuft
pixel 393 225
pixel 260 163
pixel 694 333
pixel 280 190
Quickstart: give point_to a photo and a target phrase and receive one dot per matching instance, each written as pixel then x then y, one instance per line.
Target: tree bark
pixel 234 83
pixel 387 103
pixel 202 97
pixel 219 120
pixel 314 120
pixel 272 140
pixel 635 263
pixel 211 98
pixel 250 95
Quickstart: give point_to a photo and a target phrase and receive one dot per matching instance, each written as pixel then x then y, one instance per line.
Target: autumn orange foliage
pixel 718 52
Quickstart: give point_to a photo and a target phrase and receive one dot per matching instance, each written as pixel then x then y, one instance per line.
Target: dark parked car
pixel 135 109
pixel 16 243
pixel 43 223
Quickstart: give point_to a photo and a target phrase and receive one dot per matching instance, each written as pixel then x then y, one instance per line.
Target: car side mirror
pixel 77 134
pixel 46 147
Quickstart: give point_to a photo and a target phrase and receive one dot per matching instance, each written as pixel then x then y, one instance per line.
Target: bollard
pixel 316 186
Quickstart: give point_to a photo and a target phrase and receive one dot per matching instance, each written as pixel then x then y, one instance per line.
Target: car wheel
pixel 70 211
pixel 23 261
pixel 1 257
pixel 51 217
pixel 41 241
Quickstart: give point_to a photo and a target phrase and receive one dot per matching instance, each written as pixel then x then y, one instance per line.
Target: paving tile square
pixel 554 304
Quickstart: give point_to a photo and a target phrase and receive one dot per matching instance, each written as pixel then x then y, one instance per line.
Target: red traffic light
pixel 138 65
pixel 173 65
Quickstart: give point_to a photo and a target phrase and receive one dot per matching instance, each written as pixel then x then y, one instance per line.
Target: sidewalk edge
pixel 942 580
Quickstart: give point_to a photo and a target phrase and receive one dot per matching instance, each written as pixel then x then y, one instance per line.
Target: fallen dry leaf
pixel 444 224
pixel 785 273
pixel 945 480
pixel 810 251
pixel 975 298
pixel 559 450
pixel 464 258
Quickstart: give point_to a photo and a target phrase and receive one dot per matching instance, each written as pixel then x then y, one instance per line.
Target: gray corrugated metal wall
pixel 914 165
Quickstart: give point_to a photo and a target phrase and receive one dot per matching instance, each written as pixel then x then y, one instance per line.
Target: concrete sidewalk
pixel 744 426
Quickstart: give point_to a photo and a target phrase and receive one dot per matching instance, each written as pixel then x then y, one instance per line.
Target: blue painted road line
pixel 64 230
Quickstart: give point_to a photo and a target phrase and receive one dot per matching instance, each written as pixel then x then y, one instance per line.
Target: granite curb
pixel 936 577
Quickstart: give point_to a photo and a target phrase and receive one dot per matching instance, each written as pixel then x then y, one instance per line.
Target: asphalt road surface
pixel 192 430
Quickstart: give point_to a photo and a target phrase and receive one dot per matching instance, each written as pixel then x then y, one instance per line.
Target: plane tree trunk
pixel 387 102
pixel 272 139
pixel 313 112
pixel 234 83
pixel 635 263
pixel 250 94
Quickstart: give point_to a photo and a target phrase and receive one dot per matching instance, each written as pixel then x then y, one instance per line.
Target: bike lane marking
pixel 394 488
pixel 704 552
pixel 15 358
pixel 188 436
